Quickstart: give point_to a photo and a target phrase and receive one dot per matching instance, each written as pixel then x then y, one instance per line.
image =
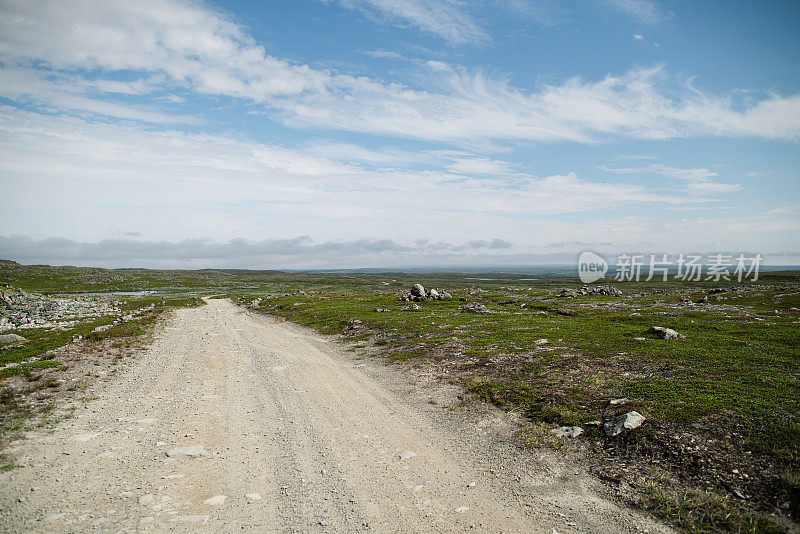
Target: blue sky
pixel 379 133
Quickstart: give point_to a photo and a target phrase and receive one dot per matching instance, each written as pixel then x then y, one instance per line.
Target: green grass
pixel 8 466
pixel 27 367
pixel 699 511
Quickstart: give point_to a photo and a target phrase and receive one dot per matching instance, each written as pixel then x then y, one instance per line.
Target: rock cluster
pixel 611 427
pixel 418 293
pixel 592 290
pixel 353 324
pixel 20 309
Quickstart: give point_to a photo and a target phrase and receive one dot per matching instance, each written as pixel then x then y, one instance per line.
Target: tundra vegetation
pixel 717 446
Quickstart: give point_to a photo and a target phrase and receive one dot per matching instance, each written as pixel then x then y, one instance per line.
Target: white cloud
pixel 181 45
pixel 476 165
pixel 447 19
pixel 67 93
pixel 188 43
pixel 695 174
pixel 697 178
pixel 384 54
pixel 712 188
pixel 385 156
pixel 95 178
pixel 470 106
pixel 638 36
pixel 645 11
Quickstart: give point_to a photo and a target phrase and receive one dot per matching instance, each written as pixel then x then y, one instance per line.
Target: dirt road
pixel 235 421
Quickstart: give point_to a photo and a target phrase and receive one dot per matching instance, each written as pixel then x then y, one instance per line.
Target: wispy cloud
pixel 470 106
pixel 479 166
pixel 712 188
pixel 694 174
pixel 385 54
pixel 68 93
pixel 645 11
pixel 699 183
pixel 446 19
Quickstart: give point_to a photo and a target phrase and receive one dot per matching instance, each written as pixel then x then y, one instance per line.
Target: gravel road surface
pixel 233 420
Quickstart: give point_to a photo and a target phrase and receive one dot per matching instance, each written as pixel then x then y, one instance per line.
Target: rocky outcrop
pixel 418 293
pixel 592 290
pixel 7 339
pixel 20 309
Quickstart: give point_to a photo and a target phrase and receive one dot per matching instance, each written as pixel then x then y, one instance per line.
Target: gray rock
pixel 618 425
pixel 5 339
pixel 191 451
pixel 433 294
pixel 665 333
pixel 567 431
pixel 216 500
pixel 381 310
pixel 407 455
pixel 411 307
pixel 474 307
pixel 147 500
pixel 418 290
